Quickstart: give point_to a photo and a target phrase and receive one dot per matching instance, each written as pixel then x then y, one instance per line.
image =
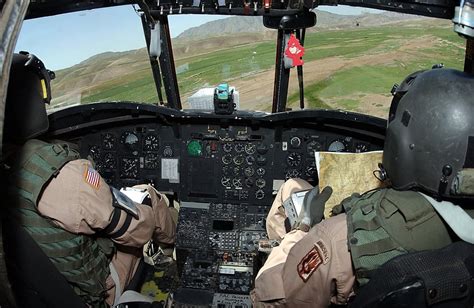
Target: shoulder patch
pixel 310 262
pixel 323 251
pixel 92 177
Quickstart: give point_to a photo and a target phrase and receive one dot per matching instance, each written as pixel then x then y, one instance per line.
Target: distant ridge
pixel 325 20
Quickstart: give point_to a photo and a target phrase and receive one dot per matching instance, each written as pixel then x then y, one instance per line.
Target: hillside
pixel 379 48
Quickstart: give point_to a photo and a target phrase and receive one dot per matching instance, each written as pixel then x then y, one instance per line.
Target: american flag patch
pixel 92 177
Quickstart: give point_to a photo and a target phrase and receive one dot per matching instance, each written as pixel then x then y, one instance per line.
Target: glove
pixel 312 211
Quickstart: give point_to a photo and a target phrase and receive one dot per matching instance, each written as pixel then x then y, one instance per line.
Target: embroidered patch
pixel 92 177
pixel 323 251
pixel 310 262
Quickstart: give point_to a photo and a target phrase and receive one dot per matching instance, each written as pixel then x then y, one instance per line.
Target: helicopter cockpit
pixel 214 144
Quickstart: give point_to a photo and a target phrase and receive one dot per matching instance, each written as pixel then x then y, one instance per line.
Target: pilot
pixel 428 163
pixel 90 231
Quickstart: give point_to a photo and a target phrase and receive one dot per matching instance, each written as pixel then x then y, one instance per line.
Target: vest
pixel 386 223
pixel 82 260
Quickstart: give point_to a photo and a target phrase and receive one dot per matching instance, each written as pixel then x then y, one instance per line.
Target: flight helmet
pixel 28 92
pixel 429 144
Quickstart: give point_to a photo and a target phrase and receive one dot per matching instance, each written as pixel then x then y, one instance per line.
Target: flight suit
pixel 80 201
pixel 307 269
pixel 321 267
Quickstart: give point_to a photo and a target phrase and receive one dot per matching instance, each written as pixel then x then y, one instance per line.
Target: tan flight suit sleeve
pixel 276 217
pixel 309 270
pixel 78 206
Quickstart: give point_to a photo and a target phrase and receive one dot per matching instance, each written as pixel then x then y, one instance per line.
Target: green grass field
pixel 396 49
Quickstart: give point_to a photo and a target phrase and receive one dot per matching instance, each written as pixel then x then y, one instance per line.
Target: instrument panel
pixel 224 170
pixel 212 163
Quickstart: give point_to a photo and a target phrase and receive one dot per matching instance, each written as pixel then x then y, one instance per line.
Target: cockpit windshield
pixel 352 57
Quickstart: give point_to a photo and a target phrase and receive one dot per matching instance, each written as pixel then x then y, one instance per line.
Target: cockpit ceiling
pixel 433 8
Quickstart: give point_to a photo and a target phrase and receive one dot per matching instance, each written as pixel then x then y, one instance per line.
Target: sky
pixel 64 40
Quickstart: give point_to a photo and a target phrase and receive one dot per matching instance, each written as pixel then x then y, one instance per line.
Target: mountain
pixel 325 20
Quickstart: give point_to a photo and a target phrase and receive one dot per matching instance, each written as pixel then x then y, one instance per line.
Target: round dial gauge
pixel 226 170
pixel 225 181
pixel 194 148
pixel 151 161
pixel 108 140
pixel 237 183
pixel 250 148
pixel 295 142
pixel 239 159
pixel 250 160
pixel 227 159
pixel 311 171
pixel 313 146
pixel 151 143
pixel 129 168
pixel 239 147
pixel 337 146
pixel 249 171
pixel 168 151
pixel 94 152
pixel 361 147
pixel 260 183
pixel 293 159
pixel 292 173
pixel 261 160
pixel 249 182
pixel 109 161
pixel 129 139
pixel 259 194
pixel 261 171
pixel 237 171
pixel 227 147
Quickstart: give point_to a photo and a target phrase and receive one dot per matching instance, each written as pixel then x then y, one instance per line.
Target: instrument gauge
pixel 109 161
pixel 239 147
pixel 250 160
pixel 227 159
pixel 239 159
pixel 259 194
pixel 260 183
pixel 227 147
pixel 226 170
pixel 226 182
pixel 337 146
pixel 108 141
pixel 237 183
pixel 293 159
pixel 261 171
pixel 151 143
pixel 295 142
pixel 237 170
pixel 129 168
pixel 249 182
pixel 94 152
pixel 311 171
pixel 292 173
pixel 249 171
pixel 313 146
pixel 129 139
pixel 168 151
pixel 361 147
pixel 151 161
pixel 194 148
pixel 250 148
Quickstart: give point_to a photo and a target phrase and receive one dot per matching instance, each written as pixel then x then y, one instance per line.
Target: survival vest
pixel 82 260
pixel 385 223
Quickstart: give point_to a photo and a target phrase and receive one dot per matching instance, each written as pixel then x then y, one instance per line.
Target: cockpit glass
pixel 352 57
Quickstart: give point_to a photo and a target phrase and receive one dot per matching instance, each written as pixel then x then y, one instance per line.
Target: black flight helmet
pixel 429 144
pixel 28 92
